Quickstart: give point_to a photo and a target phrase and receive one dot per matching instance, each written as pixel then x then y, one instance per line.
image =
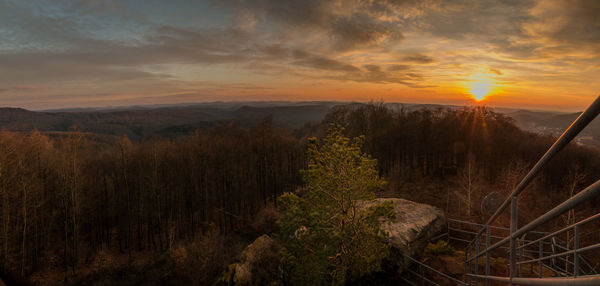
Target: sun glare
pixel 480 90
pixel 480 87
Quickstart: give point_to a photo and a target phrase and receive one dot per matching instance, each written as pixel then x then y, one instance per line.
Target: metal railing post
pixel 575 254
pixel 540 255
pixel 513 229
pixel 448 231
pixel 520 257
pixel 477 262
pixel 553 248
pixel 422 275
pixel 531 268
pixel 487 255
pixel 468 264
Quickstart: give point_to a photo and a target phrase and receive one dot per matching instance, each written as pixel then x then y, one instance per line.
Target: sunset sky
pixel 525 54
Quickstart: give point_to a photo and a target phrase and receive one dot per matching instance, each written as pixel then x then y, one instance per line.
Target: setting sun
pixel 480 90
pixel 480 86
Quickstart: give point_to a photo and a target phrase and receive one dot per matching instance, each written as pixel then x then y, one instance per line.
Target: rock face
pixel 414 226
pixel 259 263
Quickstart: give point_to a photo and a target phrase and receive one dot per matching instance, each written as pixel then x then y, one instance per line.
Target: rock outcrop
pixel 414 226
pixel 259 263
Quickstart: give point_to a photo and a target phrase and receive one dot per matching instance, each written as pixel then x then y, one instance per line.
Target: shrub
pixel 442 247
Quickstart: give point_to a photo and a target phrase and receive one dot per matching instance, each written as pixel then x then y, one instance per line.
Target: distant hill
pixel 20 119
pixel 141 122
pixel 176 119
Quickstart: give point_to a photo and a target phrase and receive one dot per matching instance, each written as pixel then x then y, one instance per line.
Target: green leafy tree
pixel 331 230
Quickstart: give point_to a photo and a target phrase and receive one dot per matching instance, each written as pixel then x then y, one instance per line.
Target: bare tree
pixel 573 181
pixel 468 178
pixel 512 175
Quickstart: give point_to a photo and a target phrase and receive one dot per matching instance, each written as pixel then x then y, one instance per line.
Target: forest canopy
pixel 70 200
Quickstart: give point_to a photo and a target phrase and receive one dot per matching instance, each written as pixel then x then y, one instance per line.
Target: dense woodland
pixel 69 199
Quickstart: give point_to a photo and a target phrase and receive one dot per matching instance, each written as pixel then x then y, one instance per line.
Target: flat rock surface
pixel 414 226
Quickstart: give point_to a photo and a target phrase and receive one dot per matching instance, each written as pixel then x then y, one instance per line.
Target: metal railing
pixel 459 231
pixel 482 245
pixel 425 273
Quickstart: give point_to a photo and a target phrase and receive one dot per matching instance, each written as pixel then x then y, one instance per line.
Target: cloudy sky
pixel 518 53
